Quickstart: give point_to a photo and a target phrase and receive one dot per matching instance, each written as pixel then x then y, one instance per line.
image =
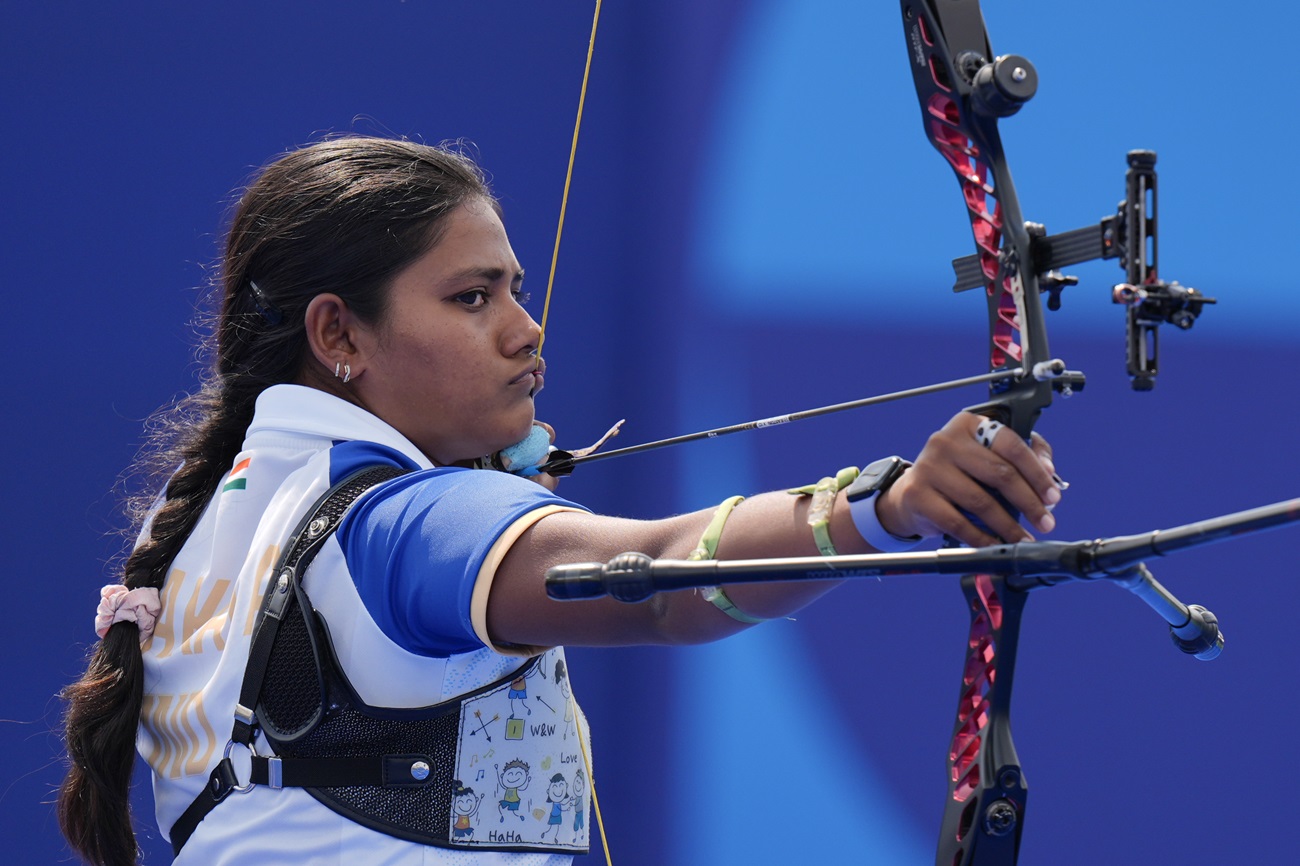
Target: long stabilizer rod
pixel 633 577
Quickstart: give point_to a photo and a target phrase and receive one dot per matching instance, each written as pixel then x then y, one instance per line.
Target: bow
pixel 964 90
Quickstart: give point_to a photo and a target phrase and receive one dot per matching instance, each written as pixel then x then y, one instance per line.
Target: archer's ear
pixel 336 336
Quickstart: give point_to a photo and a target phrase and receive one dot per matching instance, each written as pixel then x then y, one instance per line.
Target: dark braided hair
pixel 342 216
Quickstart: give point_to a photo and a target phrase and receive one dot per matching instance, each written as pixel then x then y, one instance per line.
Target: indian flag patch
pixel 238 478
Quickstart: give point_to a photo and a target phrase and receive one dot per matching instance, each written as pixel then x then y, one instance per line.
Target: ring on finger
pixel 987 431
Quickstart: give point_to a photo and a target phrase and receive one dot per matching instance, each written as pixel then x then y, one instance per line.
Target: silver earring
pixel 347 373
pixel 337 365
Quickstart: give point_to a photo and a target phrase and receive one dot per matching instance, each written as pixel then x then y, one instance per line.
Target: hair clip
pixel 263 306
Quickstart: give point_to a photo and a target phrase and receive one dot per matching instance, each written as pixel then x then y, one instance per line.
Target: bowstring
pixel 568 178
pixel 578 719
pixel 541 338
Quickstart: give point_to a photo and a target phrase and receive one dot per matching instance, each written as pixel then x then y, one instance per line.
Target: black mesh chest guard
pixel 389 769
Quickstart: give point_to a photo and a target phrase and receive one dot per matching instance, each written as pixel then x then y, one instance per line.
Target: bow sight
pixel 1129 235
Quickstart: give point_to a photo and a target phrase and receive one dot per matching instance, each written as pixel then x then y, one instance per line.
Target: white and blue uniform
pixel 403 585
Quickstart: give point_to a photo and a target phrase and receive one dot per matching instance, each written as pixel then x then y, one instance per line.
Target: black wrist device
pixel 877 477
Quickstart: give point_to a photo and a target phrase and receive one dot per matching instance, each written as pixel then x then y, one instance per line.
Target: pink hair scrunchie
pixel 119 604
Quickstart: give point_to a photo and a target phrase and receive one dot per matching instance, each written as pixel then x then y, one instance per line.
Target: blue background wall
pixel 757 225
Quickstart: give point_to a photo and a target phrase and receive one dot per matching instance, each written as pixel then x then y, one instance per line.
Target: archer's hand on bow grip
pixel 956 477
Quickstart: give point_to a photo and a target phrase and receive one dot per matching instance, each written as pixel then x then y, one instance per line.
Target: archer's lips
pixel 534 377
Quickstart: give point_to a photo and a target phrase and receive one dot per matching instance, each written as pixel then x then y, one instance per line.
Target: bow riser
pixel 984 816
pixel 962 94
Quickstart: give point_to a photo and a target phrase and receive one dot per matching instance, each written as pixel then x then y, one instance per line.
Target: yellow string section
pixel 586 762
pixel 564 198
pixel 546 309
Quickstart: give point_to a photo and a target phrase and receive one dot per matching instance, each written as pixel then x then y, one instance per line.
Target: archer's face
pixel 452 365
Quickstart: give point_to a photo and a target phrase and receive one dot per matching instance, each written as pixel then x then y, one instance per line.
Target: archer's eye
pixel 473 299
pixel 521 297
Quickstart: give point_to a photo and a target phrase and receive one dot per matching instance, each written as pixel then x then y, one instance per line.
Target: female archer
pixel 371 319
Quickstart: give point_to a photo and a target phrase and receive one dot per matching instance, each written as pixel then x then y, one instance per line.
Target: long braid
pixel 104 705
pixel 341 216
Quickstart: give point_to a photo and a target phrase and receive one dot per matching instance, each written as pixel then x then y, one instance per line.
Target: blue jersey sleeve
pixel 349 457
pixel 414 546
